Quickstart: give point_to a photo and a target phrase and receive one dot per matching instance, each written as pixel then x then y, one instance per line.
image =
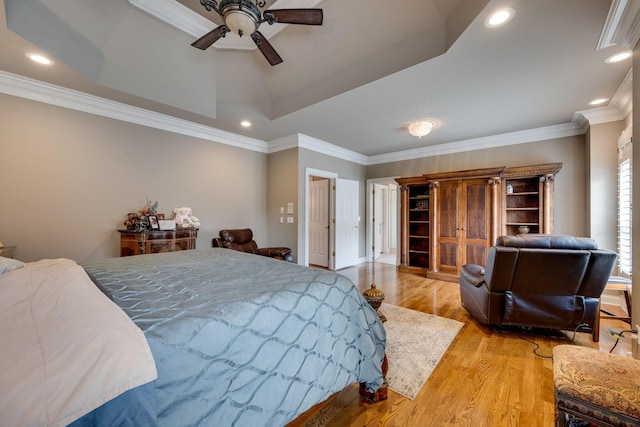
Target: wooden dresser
pixel 156 241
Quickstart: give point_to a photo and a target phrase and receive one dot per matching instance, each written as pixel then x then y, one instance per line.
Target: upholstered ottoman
pixel 594 386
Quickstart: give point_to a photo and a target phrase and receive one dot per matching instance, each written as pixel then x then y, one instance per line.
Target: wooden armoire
pixel 452 218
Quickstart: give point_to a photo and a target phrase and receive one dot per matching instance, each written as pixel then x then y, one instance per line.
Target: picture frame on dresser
pixel 153 222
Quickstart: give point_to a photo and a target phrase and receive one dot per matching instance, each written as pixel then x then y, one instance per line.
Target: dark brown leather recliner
pixel 539 281
pixel 242 240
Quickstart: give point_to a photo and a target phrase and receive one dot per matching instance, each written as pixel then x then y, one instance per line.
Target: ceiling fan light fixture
pixel 240 23
pixel 420 129
pixel 240 16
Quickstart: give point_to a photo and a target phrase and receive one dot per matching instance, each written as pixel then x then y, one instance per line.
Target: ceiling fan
pixel 244 17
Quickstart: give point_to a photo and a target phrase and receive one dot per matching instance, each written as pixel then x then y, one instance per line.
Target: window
pixel 625 182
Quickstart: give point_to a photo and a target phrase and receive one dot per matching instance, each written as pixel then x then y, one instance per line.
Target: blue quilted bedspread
pixel 241 339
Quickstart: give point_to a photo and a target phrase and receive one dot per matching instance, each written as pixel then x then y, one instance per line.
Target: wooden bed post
pixel 381 393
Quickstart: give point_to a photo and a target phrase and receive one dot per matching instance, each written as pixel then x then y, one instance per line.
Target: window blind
pixel 625 182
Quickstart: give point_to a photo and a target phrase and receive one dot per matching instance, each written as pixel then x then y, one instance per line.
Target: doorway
pixel 332 220
pixel 382 234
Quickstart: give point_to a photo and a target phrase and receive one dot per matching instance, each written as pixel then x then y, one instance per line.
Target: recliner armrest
pixel 277 253
pixel 216 242
pixel 472 274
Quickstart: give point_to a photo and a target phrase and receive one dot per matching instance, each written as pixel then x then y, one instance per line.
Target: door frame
pixel 369 225
pixel 309 172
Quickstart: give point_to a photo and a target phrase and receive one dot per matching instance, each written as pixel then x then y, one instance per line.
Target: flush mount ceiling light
pixel 40 59
pixel 420 129
pixel 500 17
pixel 618 57
pixel 245 123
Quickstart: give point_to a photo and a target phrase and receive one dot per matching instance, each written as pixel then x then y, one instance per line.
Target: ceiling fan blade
pixel 265 47
pixel 295 16
pixel 211 37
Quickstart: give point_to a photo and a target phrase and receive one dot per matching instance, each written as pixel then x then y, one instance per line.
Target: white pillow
pixel 8 264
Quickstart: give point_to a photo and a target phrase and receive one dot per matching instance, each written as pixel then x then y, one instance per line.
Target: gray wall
pixel 69 178
pixel 602 186
pixel 283 189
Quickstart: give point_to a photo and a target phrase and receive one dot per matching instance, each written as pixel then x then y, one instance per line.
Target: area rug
pixel 416 342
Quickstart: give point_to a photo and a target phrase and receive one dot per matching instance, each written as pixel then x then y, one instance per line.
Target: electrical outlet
pixel 289 220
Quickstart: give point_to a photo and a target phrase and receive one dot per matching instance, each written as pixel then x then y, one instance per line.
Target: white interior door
pixel 347 223
pixel 378 220
pixel 319 222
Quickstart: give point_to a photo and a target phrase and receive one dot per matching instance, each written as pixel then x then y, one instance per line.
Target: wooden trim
pixel 466 174
pixel 532 170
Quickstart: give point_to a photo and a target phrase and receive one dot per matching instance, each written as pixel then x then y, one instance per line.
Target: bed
pixel 239 339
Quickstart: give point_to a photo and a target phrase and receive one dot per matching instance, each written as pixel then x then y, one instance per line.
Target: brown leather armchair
pixel 242 240
pixel 538 280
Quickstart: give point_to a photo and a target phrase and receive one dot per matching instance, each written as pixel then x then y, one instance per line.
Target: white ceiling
pixel 354 82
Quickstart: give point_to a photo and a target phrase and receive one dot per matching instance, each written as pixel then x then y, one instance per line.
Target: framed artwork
pixel 153 222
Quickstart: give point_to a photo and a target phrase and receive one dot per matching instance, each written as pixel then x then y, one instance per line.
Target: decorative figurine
pixel 375 296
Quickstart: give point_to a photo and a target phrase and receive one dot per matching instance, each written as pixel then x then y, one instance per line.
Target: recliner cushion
pixel 240 236
pixel 547 241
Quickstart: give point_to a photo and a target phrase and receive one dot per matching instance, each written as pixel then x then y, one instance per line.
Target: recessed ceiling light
pixel 245 123
pixel 618 57
pixel 599 101
pixel 500 17
pixel 40 59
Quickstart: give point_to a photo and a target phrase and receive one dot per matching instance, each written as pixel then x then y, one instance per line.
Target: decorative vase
pixel 523 229
pixel 374 297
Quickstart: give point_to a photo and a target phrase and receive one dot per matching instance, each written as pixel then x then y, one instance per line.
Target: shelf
pixel 532 208
pixel 413 251
pixel 418 222
pixel 418 210
pixel 421 197
pixel 522 223
pixel 413 236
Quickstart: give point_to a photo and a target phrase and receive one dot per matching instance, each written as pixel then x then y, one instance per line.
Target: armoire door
pixel 463 224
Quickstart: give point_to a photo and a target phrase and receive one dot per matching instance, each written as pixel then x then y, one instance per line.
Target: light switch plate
pixel 289 220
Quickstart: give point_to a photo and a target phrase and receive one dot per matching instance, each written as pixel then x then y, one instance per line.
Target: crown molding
pixel 186 20
pixel 304 141
pixel 494 141
pixel 623 98
pixel 622 26
pixel 323 147
pixel 595 116
pixel 23 87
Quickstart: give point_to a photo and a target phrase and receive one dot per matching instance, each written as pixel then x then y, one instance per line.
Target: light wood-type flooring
pixel 487 378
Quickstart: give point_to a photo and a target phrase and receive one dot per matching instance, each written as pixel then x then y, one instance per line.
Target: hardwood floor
pixel 486 378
